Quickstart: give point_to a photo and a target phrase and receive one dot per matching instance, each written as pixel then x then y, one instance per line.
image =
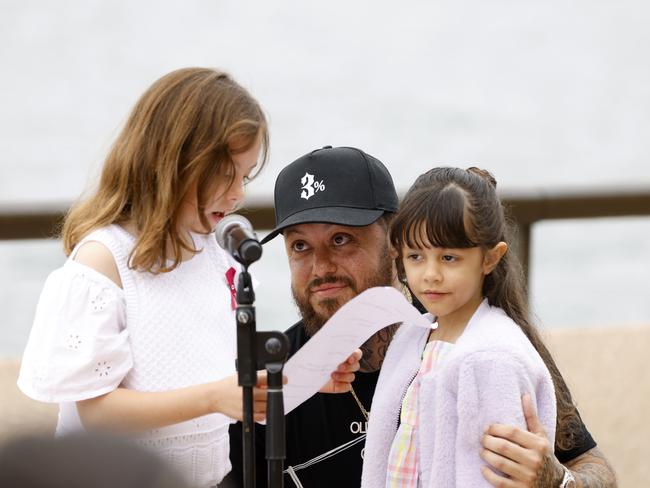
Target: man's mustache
pixel 330 279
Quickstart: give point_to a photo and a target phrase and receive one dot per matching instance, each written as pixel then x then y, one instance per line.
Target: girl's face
pixel 449 282
pixel 224 199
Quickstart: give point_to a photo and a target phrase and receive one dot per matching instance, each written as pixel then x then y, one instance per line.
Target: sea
pixel 549 96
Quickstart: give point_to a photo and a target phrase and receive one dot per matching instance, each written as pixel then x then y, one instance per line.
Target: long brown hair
pixel 181 134
pixel 456 208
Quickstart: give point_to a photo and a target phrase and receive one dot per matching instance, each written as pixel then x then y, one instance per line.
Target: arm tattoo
pixel 551 473
pixel 592 470
pixel 374 349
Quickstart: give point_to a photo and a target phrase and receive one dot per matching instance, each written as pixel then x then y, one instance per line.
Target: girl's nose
pixel 432 273
pixel 236 191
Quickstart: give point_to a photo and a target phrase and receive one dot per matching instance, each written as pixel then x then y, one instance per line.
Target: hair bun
pixel 485 174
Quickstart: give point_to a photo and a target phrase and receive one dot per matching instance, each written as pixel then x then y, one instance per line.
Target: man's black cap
pixel 340 185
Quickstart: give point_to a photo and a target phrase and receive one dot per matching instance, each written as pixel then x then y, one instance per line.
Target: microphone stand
pixel 257 350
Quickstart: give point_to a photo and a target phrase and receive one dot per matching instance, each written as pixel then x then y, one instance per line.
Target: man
pixel 333 207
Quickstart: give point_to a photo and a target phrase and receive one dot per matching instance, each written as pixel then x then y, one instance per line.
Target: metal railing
pixel 529 207
pixel 38 221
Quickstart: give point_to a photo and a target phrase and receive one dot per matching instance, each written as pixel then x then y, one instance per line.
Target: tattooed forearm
pixel 551 473
pixel 374 349
pixel 592 470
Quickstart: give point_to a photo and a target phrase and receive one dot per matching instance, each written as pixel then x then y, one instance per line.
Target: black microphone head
pixel 250 251
pixel 226 224
pixel 235 234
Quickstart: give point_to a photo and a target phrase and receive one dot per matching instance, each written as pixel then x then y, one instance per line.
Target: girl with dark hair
pixel 440 387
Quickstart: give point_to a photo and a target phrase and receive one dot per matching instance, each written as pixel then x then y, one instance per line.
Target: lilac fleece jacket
pixel 480 382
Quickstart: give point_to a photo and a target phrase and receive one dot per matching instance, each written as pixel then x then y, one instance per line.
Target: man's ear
pixel 393 252
pixel 394 255
pixel 493 256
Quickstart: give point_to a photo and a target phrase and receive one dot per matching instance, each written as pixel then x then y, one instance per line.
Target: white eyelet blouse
pixel 158 332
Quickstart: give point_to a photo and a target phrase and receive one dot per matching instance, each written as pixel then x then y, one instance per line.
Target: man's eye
pixel 299 246
pixel 340 239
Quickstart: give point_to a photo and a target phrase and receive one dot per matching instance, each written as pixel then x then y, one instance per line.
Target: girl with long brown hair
pixel 481 353
pixel 136 332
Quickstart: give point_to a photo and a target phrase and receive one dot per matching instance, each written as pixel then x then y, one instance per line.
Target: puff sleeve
pixel 78 347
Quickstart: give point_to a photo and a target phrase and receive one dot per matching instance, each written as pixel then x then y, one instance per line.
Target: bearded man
pixel 333 207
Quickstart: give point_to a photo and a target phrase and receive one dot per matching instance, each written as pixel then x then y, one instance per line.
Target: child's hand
pixel 228 398
pixel 342 378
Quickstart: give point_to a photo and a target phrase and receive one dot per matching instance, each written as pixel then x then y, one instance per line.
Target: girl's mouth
pixel 434 295
pixel 216 216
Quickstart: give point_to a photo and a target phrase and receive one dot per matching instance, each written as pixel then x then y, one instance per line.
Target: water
pixel 544 94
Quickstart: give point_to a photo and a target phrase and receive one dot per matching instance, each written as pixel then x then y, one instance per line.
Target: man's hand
pixel 525 457
pixel 341 379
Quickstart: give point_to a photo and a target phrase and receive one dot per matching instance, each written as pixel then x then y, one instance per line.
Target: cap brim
pixel 354 217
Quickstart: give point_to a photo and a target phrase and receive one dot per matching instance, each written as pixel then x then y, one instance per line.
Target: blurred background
pixel 552 97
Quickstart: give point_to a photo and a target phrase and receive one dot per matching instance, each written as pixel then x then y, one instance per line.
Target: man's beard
pixel 312 320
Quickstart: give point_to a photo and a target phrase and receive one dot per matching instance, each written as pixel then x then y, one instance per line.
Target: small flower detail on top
pixel 103 368
pixel 99 302
pixel 73 342
pixel 230 279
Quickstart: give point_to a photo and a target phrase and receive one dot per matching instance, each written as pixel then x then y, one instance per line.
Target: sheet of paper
pixel 355 322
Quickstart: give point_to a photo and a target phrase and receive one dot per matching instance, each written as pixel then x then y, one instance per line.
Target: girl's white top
pixel 158 332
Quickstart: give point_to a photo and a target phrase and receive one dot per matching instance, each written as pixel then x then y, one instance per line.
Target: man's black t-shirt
pixel 322 424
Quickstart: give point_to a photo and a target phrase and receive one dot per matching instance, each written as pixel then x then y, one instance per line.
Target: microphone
pixel 235 234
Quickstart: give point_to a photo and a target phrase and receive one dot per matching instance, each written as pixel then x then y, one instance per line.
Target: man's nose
pixel 323 263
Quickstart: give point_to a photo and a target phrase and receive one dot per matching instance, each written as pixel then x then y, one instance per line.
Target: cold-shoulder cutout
pixel 97 256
